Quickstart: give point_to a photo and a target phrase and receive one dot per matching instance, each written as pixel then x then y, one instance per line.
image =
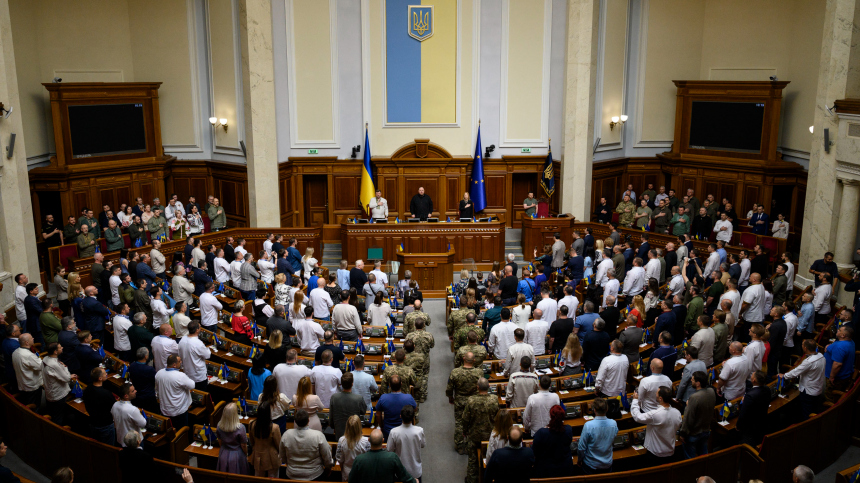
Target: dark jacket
pixel 752 420
pixel 702 226
pixel 680 312
pixel 295 259
pixel 631 337
pixel 337 354
pixel 137 466
pixel 69 341
pixel 201 278
pixel 421 206
pixel 603 217
pixel 89 360
pixel 33 308
pixel 141 303
pixel 508 287
pixel 759 264
pixel 669 355
pixel 278 323
pixel 357 279
pixel 467 212
pixel 777 331
pixel 283 266
pixel 576 265
pixel 643 251
pixel 145 271
pixel 595 346
pixel 611 315
pixel 665 322
pixel 98 401
pixel 139 337
pixel 143 378
pixel 95 314
pixel 510 465
pixel 187 252
pixel 210 264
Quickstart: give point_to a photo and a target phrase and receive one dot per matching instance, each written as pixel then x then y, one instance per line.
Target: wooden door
pixel 521 185
pixel 316 200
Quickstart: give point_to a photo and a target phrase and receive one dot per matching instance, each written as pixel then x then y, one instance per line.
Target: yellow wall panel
pixel 614 46
pixel 311 22
pixel 525 69
pixel 222 54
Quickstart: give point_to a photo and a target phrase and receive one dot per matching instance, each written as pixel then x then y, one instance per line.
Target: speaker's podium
pixel 432 271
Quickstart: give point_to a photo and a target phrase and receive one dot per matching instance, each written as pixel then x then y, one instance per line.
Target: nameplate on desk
pixel 638 447
pixel 723 423
pixel 588 418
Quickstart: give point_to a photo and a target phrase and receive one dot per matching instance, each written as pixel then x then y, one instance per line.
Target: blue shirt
pixel 588 267
pixel 255 383
pixel 840 351
pixel 595 443
pixel 539 279
pixel 805 318
pixel 585 324
pixel 312 283
pixel 343 279
pixel 577 267
pixel 665 322
pixel 9 346
pixel 364 385
pixel 295 258
pixel 527 288
pixel 391 404
pixel 723 255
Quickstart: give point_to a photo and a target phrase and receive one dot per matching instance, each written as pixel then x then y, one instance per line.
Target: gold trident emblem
pixel 421 23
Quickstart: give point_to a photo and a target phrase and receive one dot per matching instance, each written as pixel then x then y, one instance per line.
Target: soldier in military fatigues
pixel 626 211
pixel 479 351
pixel 422 339
pixel 407 376
pixel 411 317
pixel 420 365
pixel 478 417
pixel 462 383
pixel 457 319
pixel 461 336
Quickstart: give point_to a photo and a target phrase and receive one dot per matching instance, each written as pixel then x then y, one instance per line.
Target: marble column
pixel 255 31
pixel 846 230
pixel 17 232
pixel 579 98
pixel 819 217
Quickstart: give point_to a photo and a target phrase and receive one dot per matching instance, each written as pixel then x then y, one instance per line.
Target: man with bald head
pixel 649 386
pixel 94 313
pixel 28 371
pixel 752 304
pixel 163 347
pixel 378 465
pixel 513 462
pixel 508 286
pixel 389 405
pixel 734 374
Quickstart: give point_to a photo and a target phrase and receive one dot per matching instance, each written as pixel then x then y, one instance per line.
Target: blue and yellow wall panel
pixel 421 61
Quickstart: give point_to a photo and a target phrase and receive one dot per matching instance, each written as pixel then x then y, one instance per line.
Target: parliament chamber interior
pixel 450 240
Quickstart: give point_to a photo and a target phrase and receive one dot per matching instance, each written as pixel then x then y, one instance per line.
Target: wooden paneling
pixel 495 186
pixel 316 200
pixel 106 197
pixel 521 186
pixel 454 196
pixel 347 190
pixel 752 194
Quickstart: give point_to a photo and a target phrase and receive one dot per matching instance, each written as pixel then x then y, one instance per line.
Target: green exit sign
pixel 527 150
pixel 313 151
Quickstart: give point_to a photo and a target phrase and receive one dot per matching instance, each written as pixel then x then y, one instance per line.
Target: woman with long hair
pixel 599 254
pixel 494 277
pixel 501 430
pixel 265 442
pixel 353 300
pixel 309 263
pixel 468 300
pixel 126 217
pixel 522 312
pixel 232 442
pixel 241 325
pixel 282 290
pixel 306 399
pixel 278 402
pixel 350 445
pixel 551 447
pixel 638 310
pixel 62 290
pixel 145 216
pixel 76 298
pixel 276 349
pixel 463 283
pixel 379 312
pixel 332 288
pixel 195 221
pixel 571 354
pixel 587 266
pixel 297 309
pixel 257 374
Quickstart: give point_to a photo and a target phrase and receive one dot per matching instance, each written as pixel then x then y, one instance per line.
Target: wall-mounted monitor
pixel 107 129
pixel 727 126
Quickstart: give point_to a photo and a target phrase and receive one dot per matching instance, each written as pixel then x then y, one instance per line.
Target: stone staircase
pixel 513 241
pixel 331 256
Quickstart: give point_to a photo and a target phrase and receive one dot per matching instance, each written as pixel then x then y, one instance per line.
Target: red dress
pixel 241 325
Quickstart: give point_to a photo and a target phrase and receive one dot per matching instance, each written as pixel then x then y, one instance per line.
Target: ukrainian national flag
pixel 367 190
pixel 477 190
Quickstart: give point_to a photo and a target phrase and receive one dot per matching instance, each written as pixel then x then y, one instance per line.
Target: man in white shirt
pixel 536 414
pixel 517 351
pixel 326 378
pixel 266 267
pixel 548 306
pixel 163 347
pixel 791 328
pixel 569 300
pixel 183 289
pixel 723 228
pixel 713 263
pixel 648 386
pixel 789 272
pixel 267 245
pixel 662 425
pixel 289 374
pixel 240 250
pixel 603 267
pixel 56 378
pixel 653 267
pixel 126 417
pixel 406 442
pixel 536 331
pixel 821 298
pixel 174 392
pixel 121 324
pixel 378 206
pixel 194 355
pixel 733 296
pixel 346 320
pixel 222 268
pixel 210 307
pixel 704 340
pixel 160 313
pixel 321 301
pixel 20 295
pixel 746 265
pixel 812 381
pixel 634 280
pixel 114 282
pixel 502 335
pixel 734 373
pixel 181 320
pixel 612 374
pixel 610 288
pixel 28 371
pixel 309 332
pixel 381 277
pixel 236 271
pixel 753 301
pixel 676 283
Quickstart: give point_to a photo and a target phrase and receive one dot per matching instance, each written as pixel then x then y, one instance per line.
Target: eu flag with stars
pixel 477 190
pixel 547 179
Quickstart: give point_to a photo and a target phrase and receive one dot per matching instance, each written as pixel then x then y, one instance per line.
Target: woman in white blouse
pixel 195 221
pixel 126 217
pixel 297 308
pixel 309 262
pixel 282 290
pixel 501 429
pixel 350 445
pixel 379 312
pixel 522 312
pixel 780 227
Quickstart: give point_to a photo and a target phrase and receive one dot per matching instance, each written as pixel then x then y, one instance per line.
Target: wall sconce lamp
pixel 811 129
pixel 215 122
pixel 617 120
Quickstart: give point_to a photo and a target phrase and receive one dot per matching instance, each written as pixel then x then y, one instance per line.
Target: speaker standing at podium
pixel 467 208
pixel 421 206
pixel 378 206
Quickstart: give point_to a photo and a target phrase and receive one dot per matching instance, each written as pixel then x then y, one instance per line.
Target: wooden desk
pixel 432 271
pixel 538 232
pixel 775 404
pixel 482 242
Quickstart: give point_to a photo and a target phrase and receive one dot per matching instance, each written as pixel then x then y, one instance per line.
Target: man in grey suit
pixel 370 288
pixel 558 252
pixel 250 277
pixel 578 245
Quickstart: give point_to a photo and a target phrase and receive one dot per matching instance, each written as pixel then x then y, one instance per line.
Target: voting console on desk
pixel 543 362
pixel 621 441
pixel 112 364
pixel 207 337
pixel 374 331
pixel 232 375
pixel 571 383
pixel 499 388
pixel 199 398
pixel 572 411
pixel 156 424
pixel 309 363
pixel 250 405
pixel 487 367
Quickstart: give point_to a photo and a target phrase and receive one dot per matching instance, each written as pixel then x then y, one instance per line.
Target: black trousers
pixel 807 405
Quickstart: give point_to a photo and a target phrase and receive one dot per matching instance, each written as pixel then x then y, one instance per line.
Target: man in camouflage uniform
pixel 460 337
pixel 462 383
pixel 457 319
pixel 423 340
pixel 411 317
pixel 626 210
pixel 478 417
pixel 420 365
pixel 407 376
pixel 472 346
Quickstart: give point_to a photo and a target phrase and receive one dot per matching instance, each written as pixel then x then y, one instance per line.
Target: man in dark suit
pixel 95 314
pixel 141 302
pixel 133 261
pixel 136 464
pixel 210 260
pixel 665 322
pixel 33 309
pixel 201 278
pixel 229 253
pixel 595 346
pixel 589 243
pixel 611 315
pixel 280 322
pixel 603 212
pixel 189 248
pixel 513 462
pixel 759 263
pixel 282 264
pixel 144 270
pixel 87 356
pixel 357 277
pixel 277 246
pixel 752 420
pixel 68 338
pixel 643 247
pixel 143 377
pixel 680 311
pixel 778 329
